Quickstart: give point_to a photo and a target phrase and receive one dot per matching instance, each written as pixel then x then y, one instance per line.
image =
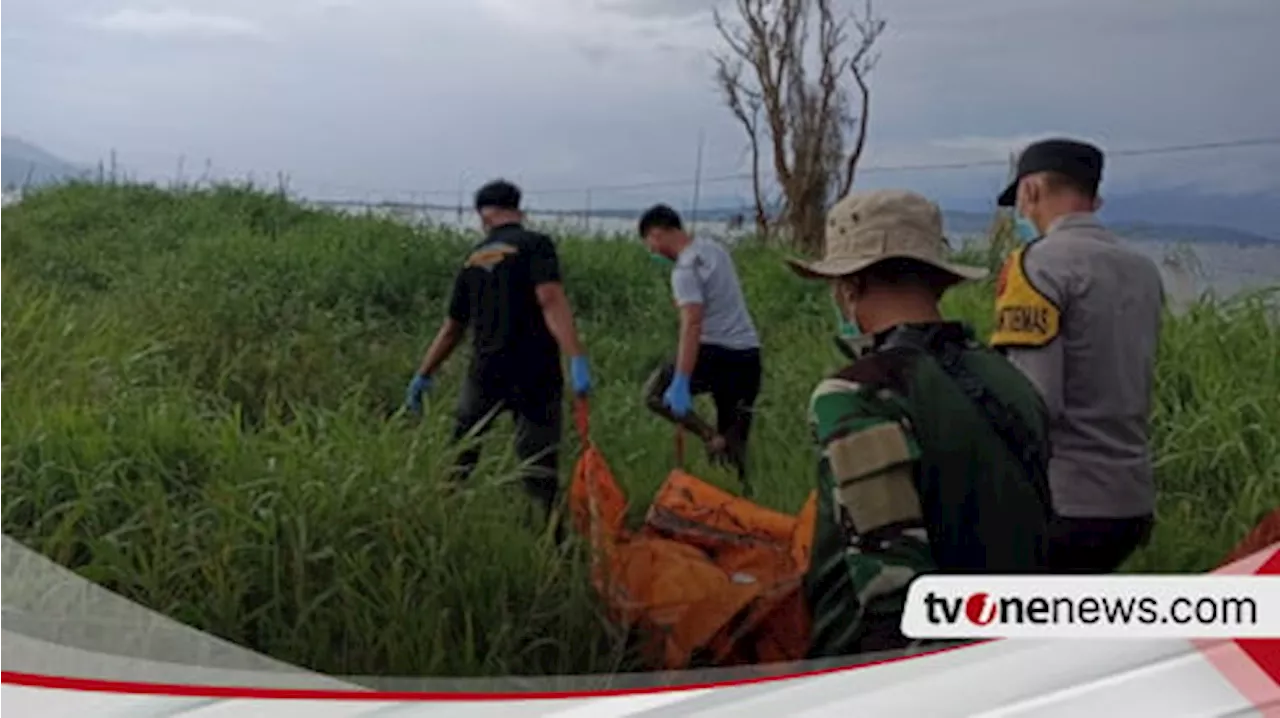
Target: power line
pixel 1257 142
pixel 865 169
pixel 870 169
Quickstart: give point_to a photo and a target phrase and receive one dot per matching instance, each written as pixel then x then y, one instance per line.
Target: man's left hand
pixel 413 395
pixel 581 375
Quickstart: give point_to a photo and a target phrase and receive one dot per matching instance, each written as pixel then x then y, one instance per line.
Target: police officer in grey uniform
pixel 1079 313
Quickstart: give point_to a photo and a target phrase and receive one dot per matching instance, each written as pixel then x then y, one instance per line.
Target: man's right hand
pixel 677 398
pixel 413 395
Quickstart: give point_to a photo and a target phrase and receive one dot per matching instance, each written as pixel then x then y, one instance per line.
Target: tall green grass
pixel 195 414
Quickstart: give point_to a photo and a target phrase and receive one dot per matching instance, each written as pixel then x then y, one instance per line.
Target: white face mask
pixel 847 329
pixel 1026 229
pixel 851 339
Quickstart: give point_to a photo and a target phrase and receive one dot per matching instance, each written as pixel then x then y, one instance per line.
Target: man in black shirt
pixel 509 293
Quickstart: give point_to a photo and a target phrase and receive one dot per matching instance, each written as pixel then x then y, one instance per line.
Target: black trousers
pixel 732 377
pixel 1095 545
pixel 538 414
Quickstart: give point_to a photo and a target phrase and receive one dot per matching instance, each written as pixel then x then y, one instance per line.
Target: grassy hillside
pixel 196 391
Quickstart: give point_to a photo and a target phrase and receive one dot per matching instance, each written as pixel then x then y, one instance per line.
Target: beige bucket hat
pixel 868 227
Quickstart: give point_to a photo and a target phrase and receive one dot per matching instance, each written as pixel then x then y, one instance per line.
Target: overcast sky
pixel 392 96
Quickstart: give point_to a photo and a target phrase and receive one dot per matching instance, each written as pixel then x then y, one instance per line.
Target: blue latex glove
pixel 677 398
pixel 581 375
pixel 413 395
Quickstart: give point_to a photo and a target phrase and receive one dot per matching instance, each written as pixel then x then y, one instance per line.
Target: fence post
pixel 697 186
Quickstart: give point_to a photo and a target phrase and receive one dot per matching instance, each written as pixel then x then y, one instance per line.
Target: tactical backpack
pixel 982 430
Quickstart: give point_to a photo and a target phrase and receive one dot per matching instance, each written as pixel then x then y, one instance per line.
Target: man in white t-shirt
pixel 719 348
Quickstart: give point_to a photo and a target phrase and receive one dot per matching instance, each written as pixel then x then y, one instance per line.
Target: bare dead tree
pixel 745 105
pixel 807 108
pixel 869 27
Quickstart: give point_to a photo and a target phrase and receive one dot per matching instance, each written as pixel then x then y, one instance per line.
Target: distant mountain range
pixel 975 223
pixel 1177 216
pixel 25 164
pixel 961 223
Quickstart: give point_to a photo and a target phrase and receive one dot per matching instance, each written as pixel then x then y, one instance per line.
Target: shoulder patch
pixel 873 477
pixel 869 451
pixel 1024 316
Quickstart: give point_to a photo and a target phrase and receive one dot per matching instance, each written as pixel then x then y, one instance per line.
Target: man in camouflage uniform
pixel 933 447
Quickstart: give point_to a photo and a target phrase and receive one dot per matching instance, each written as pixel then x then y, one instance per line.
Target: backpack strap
pixel 1012 430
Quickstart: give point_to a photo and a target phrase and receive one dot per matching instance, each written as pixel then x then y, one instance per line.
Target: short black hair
pixel 1059 181
pixel 659 216
pixel 498 193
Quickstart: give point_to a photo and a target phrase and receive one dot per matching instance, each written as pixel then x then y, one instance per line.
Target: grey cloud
pixel 596 53
pixel 399 94
pixel 661 8
pixel 176 22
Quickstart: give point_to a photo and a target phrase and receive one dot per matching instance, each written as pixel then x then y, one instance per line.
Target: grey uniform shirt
pixel 1088 341
pixel 704 274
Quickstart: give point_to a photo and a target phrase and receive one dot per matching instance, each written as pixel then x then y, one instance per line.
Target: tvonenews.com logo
pixel 983 609
pixel 1087 606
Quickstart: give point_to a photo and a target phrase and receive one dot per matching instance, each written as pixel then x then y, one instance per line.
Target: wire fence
pixel 605 200
pixel 611 208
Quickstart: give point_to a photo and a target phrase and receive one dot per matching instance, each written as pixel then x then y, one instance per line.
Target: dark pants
pixel 1095 545
pixel 537 414
pixel 732 377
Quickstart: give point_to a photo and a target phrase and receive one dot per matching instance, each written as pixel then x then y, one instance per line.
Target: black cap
pixel 1080 161
pixel 498 193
